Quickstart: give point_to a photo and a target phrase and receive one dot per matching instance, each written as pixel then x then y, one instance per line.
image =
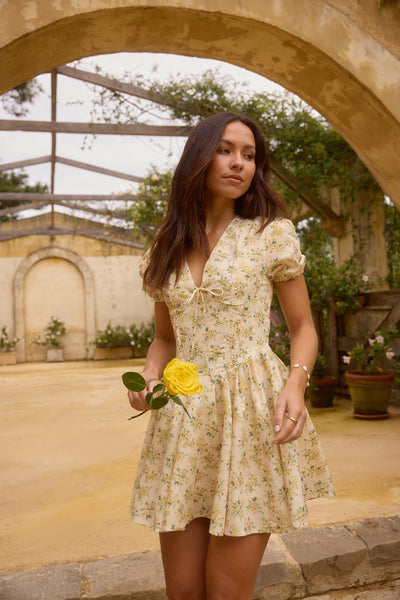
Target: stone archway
pixel 342 58
pixel 19 292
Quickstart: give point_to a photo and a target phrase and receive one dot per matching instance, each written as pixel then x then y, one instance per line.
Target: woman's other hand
pixel 290 415
pixel 138 399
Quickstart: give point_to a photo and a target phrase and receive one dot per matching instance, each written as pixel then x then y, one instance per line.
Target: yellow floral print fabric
pixel 222 463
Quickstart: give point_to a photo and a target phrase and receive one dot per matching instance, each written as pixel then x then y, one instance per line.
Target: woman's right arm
pixel 161 351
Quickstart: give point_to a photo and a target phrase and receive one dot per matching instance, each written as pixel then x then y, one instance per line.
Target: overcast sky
pixel 129 154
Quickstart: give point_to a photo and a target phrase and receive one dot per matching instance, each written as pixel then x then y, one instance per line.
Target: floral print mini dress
pixel 222 462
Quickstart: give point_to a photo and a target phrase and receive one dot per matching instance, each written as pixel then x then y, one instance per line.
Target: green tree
pixel 300 140
pixel 318 249
pixel 17 101
pixel 151 203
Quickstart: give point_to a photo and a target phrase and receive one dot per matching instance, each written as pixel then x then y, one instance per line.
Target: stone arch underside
pixel 343 61
pixel 19 305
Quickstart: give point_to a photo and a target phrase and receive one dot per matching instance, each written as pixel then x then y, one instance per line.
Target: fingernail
pixel 277 428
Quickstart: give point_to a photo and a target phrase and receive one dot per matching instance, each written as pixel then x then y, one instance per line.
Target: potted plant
pixel 142 337
pixel 322 386
pixel 52 340
pixel 113 342
pixel 7 348
pixel 370 384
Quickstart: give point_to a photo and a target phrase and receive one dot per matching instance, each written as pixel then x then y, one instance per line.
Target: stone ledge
pixel 381 536
pixel 134 576
pixel 55 583
pixel 295 565
pixel 328 556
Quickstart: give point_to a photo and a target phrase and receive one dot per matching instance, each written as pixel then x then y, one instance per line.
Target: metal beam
pixel 37 197
pixel 11 210
pixel 53 231
pixel 95 128
pixel 20 164
pixel 102 170
pixel 115 214
pixel 118 86
pixel 104 81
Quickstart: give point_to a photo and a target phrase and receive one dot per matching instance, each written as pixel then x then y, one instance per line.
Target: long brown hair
pixel 183 226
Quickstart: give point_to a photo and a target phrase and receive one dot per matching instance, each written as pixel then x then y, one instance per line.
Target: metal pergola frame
pixel 334 223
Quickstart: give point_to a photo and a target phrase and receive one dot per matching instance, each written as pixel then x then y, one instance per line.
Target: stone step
pixel 321 563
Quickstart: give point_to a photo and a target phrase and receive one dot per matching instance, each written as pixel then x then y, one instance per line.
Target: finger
pixel 279 416
pixel 288 428
pixel 290 431
pixel 137 401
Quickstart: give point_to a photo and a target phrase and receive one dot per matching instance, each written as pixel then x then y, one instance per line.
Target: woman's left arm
pixel 293 298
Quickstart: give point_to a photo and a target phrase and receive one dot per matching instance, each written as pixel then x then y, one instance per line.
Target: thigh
pixel 232 566
pixel 184 558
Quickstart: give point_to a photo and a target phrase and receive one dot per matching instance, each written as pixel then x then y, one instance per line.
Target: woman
pixel 216 485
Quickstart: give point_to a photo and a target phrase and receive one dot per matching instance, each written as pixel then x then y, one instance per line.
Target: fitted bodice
pixel 223 322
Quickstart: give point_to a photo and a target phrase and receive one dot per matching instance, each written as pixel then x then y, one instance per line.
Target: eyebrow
pixel 229 143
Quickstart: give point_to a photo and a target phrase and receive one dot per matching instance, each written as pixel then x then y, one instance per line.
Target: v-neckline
pixel 210 256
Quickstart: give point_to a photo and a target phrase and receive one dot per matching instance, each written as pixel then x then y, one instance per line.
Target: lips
pixel 234 177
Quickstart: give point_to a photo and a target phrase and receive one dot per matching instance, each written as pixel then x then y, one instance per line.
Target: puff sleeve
pixel 284 259
pixel 156 295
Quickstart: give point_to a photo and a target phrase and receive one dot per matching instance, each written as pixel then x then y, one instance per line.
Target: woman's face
pixel 233 166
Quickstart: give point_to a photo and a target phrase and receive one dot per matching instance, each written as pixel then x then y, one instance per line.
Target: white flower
pixel 365 278
pixel 389 354
pixel 380 339
pixel 346 360
pixel 371 342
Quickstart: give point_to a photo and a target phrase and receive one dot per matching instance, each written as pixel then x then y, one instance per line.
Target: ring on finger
pixel 295 421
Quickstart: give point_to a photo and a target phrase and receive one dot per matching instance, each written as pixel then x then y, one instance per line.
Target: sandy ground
pixel 68 456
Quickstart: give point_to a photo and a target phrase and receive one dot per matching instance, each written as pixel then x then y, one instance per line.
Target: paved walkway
pixel 68 456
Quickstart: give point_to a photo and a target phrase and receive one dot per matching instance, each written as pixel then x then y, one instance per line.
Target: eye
pixel 249 156
pixel 223 150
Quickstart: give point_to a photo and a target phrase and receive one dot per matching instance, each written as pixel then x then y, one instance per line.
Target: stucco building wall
pixel 85 282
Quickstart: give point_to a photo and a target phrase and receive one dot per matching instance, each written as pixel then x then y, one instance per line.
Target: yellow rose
pixel 181 378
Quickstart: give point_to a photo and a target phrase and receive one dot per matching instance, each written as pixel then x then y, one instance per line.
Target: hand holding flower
pixel 179 377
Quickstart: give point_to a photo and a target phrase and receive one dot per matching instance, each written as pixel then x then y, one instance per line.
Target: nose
pixel 237 160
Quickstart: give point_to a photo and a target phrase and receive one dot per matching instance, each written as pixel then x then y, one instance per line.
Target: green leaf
pixel 159 402
pixel 149 397
pixel 177 400
pixel 159 387
pixel 134 381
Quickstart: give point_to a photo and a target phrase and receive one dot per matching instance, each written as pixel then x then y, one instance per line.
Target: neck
pixel 219 216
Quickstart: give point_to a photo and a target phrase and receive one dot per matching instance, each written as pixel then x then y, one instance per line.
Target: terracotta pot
pixel 55 354
pixel 322 392
pixel 141 352
pixel 112 353
pixel 8 358
pixel 370 394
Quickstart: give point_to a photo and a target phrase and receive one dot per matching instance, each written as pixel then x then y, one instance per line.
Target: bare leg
pixel 184 556
pixel 232 566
